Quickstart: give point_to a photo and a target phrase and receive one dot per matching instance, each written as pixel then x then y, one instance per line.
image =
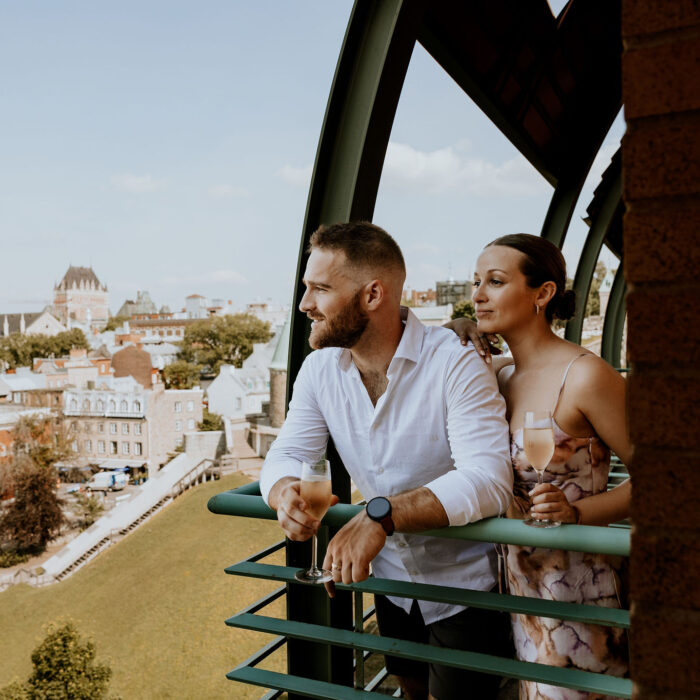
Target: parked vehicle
pixel 108 481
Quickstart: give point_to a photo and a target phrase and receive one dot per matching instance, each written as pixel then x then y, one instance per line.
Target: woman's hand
pixel 466 330
pixel 550 503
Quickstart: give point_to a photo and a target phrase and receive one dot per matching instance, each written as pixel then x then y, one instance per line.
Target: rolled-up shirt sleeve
pixel 481 484
pixel 303 437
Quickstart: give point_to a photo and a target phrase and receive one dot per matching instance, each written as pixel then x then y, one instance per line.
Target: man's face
pixel 332 301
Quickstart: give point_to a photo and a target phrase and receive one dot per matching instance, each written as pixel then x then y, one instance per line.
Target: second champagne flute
pixel 316 491
pixel 538 441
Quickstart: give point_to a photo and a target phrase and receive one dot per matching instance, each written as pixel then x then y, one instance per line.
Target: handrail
pixel 580 538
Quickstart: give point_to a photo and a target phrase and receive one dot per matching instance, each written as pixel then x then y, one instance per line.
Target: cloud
pixel 300 177
pixel 601 162
pixel 452 170
pixel 228 192
pixel 136 184
pixel 230 276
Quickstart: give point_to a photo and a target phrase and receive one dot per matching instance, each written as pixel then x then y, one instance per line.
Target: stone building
pixel 40 323
pixel 81 297
pixel 143 307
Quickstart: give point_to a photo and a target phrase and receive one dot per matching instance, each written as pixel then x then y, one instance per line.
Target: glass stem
pixel 314 564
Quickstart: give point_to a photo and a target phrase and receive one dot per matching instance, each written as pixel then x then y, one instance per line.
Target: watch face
pixel 378 508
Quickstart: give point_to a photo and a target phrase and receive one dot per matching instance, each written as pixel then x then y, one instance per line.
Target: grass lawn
pixel 155 604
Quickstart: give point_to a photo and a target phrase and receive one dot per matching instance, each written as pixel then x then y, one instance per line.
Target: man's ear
pixel 373 294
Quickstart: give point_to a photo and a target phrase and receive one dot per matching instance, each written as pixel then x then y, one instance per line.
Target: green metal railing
pixel 246 502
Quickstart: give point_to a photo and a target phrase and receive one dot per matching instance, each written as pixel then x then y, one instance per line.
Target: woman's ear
pixel 545 293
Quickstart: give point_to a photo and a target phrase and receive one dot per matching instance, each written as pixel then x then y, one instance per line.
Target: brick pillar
pixel 661 175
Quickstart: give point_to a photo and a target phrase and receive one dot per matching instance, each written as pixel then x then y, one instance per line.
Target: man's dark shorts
pixel 472 629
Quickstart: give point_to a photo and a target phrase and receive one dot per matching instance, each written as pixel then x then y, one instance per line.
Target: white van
pixel 108 481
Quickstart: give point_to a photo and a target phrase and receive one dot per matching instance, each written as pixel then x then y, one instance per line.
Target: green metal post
pixel 614 325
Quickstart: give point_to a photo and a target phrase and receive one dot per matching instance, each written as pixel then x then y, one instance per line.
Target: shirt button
pixel 403 544
pixel 380 470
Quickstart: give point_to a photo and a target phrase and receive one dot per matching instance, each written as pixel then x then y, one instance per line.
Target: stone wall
pixel 661 175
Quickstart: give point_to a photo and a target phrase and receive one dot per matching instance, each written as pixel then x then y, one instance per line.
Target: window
pixel 124 406
pixel 239 403
pixel 178 426
pixel 113 447
pixel 190 406
pixel 138 448
pixel 74 427
pixel 112 405
pixel 100 427
pixel 88 446
pixel 74 445
pixel 137 428
pixel 87 427
pixel 86 405
pixel 125 428
pixel 73 404
pixel 136 406
pixel 190 424
pixel 178 407
pixel 100 405
pixel 101 446
pixel 113 428
pixel 125 448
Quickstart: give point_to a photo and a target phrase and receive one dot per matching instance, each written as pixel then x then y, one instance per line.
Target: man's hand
pixel 352 549
pixel 285 498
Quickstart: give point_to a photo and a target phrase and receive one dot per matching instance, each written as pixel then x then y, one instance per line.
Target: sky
pixel 169 145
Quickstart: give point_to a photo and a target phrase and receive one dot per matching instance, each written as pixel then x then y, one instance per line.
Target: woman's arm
pixel 466 330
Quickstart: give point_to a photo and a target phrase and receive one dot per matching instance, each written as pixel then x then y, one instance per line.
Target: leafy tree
pixel 223 340
pixel 464 309
pixel 593 301
pixel 64 669
pixel 34 517
pixel 114 322
pixel 88 508
pixel 181 375
pixel 18 350
pixel 211 421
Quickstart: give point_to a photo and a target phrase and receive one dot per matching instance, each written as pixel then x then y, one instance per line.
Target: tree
pixel 223 340
pixel 593 301
pixel 115 322
pixel 18 350
pixel 64 669
pixel 88 509
pixel 181 375
pixel 211 421
pixel 34 517
pixel 464 309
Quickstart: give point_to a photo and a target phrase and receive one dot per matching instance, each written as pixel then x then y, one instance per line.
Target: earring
pixel 537 310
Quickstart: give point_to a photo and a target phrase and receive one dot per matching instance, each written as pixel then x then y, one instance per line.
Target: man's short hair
pixel 364 244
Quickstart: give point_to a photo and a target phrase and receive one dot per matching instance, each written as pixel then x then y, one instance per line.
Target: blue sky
pixel 170 144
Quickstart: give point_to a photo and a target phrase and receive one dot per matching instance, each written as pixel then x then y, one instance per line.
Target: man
pixel 420 426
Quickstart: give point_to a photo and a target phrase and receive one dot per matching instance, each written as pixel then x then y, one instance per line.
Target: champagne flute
pixel 538 440
pixel 316 491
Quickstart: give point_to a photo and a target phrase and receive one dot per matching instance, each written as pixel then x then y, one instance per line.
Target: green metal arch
pixel 614 325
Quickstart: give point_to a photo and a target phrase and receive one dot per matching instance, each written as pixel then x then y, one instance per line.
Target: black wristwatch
pixel 379 510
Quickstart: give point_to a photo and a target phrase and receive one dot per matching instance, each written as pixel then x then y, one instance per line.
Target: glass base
pixel 313 576
pixel 532 522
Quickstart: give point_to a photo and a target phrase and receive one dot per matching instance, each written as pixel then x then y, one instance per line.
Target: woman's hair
pixel 543 262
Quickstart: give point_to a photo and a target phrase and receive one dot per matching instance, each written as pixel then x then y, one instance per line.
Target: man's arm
pixel 303 437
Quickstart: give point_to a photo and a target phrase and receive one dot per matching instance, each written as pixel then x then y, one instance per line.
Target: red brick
pixel 662 245
pixel 665 486
pixel 664 410
pixel 661 157
pixel 665 648
pixel 644 692
pixel 663 325
pixel 665 566
pixel 653 16
pixel 661 79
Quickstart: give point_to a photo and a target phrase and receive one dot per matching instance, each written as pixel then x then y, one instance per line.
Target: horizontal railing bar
pixel 469 660
pixel 268 551
pixel 264 602
pixel 579 538
pixel 262 653
pixel 591 614
pixel 296 684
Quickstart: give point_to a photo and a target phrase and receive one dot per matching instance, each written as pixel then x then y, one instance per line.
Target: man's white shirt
pixel 439 424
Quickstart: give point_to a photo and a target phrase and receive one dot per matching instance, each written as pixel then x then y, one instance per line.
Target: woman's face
pixel 502 298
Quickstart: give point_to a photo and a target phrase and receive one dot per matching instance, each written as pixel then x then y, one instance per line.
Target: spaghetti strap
pixel 563 380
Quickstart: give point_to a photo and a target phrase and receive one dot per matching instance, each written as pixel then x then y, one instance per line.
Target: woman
pixel 519 289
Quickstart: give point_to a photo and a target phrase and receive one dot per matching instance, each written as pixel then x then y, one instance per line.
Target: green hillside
pixel 155 604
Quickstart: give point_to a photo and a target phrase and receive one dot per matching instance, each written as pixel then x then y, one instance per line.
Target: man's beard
pixel 342 330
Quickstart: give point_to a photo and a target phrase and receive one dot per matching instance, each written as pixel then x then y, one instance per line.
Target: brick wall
pixel 661 173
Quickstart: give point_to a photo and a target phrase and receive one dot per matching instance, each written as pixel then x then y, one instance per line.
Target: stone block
pixel 663 410
pixel 662 244
pixel 661 157
pixel 663 325
pixel 653 16
pixel 665 489
pixel 661 79
pixel 664 566
pixel 665 648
